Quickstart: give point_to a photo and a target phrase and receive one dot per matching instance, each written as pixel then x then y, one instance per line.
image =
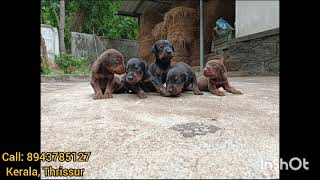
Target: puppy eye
pixel 114 60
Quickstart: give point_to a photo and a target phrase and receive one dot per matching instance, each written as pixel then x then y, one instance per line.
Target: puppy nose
pixel 170 90
pixel 169 51
pixel 130 78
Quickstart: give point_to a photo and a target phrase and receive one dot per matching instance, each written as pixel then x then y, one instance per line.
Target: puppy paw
pixel 98 96
pixel 198 93
pixel 108 96
pixel 164 93
pixel 219 93
pixel 237 92
pixel 141 95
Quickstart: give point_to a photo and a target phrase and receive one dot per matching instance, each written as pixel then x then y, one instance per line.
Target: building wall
pixel 258 54
pixel 86 45
pixel 256 16
pixel 51 39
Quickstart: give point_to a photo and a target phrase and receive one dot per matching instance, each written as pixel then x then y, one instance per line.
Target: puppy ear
pixel 220 58
pixel 106 59
pixel 145 67
pixel 222 69
pixel 146 72
pixel 172 47
pixel 217 57
pixel 153 49
pixel 183 77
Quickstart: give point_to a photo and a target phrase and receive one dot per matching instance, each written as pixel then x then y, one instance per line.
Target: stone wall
pixel 258 53
pixel 87 45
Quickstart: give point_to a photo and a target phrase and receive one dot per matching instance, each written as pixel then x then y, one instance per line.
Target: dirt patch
pixel 194 129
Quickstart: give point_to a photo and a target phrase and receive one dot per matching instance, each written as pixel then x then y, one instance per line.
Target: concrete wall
pixel 257 53
pixel 89 46
pixel 256 16
pixel 51 38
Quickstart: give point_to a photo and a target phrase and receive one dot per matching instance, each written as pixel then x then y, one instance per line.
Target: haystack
pixel 180 23
pixel 185 59
pixel 147 22
pixel 145 44
pixel 160 31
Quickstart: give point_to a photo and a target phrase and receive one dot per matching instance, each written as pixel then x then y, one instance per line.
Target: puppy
pixel 214 77
pixel 179 78
pixel 163 51
pixel 138 78
pixel 103 81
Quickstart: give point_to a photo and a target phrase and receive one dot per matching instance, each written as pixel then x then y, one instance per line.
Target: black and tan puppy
pixel 138 78
pixel 103 81
pixel 215 76
pixel 179 78
pixel 163 51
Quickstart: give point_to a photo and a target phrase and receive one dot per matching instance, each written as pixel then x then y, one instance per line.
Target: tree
pixel 62 47
pixel 44 53
pixel 87 16
pixel 45 61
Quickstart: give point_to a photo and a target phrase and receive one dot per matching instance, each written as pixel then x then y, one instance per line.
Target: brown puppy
pixel 103 80
pixel 214 77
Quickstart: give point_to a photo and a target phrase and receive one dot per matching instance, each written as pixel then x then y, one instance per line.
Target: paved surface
pixel 187 137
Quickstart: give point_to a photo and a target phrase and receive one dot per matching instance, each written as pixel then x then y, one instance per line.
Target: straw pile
pixel 160 31
pixel 145 44
pixel 148 20
pixel 180 23
pixel 146 39
pixel 178 27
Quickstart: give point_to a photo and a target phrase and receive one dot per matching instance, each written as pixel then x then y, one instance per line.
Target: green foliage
pixel 46 70
pixel 50 12
pixel 99 17
pixel 72 65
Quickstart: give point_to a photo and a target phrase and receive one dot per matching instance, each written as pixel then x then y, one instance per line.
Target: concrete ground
pixel 236 136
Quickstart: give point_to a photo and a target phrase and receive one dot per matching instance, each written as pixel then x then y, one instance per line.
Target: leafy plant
pixel 90 16
pixel 70 64
pixel 49 71
pixel 45 69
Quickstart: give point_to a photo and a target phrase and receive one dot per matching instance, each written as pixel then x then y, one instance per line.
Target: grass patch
pixel 67 64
